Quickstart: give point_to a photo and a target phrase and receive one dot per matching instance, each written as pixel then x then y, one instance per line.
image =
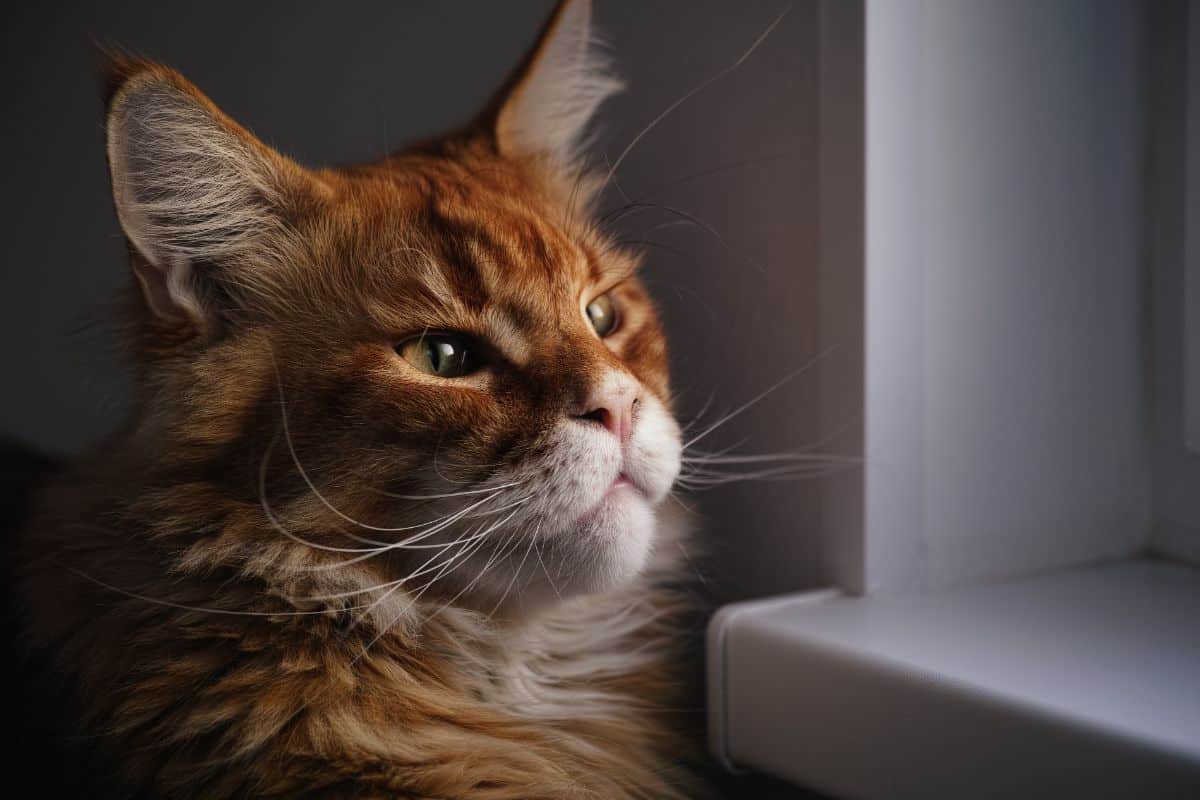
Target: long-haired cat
pixel 389 520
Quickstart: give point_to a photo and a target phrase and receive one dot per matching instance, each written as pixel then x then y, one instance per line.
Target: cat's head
pixel 434 370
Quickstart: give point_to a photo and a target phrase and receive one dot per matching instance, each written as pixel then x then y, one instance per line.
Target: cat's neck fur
pixel 446 701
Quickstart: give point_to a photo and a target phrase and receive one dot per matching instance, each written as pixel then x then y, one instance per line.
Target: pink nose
pixel 612 406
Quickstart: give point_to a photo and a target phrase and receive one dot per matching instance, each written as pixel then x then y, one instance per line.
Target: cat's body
pixel 390 520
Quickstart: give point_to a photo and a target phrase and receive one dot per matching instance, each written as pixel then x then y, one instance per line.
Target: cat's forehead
pixel 441 243
pixel 489 214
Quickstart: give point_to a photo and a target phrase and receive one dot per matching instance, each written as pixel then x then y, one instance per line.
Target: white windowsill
pixel 1079 682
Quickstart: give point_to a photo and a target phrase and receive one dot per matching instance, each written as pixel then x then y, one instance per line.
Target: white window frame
pixel 820 687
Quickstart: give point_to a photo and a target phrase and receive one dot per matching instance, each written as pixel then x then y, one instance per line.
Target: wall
pixel 346 82
pixel 1174 269
pixel 742 312
pixel 1005 391
pixel 1191 265
pixel 842 92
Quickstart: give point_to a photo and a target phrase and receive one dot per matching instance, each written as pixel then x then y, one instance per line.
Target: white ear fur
pixel 550 107
pixel 188 189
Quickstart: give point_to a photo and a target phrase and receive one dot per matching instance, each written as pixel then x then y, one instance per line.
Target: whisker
pixel 204 609
pixel 690 94
pixel 764 458
pixel 688 558
pixel 675 496
pixel 313 488
pixel 449 494
pixel 495 558
pixel 383 629
pixel 536 534
pixel 461 558
pixel 686 218
pixel 477 538
pixel 423 569
pixel 367 552
pixel 700 414
pixel 407 544
pixel 278 526
pixel 757 398
pixel 512 580
pixel 708 480
pixel 704 173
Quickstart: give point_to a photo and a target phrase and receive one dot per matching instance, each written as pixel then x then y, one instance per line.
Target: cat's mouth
pixel 620 481
pixel 624 483
pixel 621 484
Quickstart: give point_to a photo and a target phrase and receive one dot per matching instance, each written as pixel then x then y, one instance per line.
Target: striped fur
pixel 215 585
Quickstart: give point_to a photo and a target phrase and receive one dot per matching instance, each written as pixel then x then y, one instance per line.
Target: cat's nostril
pixel 611 404
pixel 600 415
pixel 596 415
pixel 615 415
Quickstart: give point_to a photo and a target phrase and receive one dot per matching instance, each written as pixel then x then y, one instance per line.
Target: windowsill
pixel 1081 681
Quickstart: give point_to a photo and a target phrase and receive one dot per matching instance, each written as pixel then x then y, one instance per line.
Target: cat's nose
pixel 612 405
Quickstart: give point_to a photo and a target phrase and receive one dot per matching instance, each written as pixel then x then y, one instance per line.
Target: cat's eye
pixel 603 315
pixel 445 355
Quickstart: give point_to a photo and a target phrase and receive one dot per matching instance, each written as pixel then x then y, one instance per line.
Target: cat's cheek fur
pixel 655 452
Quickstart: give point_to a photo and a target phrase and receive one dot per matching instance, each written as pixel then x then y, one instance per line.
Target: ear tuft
pixel 115 66
pixel 191 187
pixel 565 79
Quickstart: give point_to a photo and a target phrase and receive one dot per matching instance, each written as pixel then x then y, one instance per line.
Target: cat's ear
pixel 546 108
pixel 194 191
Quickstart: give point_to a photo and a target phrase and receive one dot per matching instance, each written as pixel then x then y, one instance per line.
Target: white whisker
pixel 766 458
pixel 449 494
pixel 450 566
pixel 757 398
pixel 708 480
pixel 513 580
pixel 408 543
pixel 278 526
pixel 207 610
pixel 690 94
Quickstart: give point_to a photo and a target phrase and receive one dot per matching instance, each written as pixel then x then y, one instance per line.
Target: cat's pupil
pixel 444 355
pixel 441 354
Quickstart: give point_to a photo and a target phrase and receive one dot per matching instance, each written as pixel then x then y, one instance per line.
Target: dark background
pixel 337 83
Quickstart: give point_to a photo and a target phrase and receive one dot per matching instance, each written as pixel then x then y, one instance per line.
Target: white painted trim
pixel 717 663
pixel 1075 683
pixel 895 553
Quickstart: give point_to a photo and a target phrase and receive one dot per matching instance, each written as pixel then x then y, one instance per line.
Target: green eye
pixel 445 355
pixel 603 315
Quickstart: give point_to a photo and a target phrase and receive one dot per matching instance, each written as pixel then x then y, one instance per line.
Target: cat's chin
pixel 612 542
pixel 604 550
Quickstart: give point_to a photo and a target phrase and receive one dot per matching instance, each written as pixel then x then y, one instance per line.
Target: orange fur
pixel 203 646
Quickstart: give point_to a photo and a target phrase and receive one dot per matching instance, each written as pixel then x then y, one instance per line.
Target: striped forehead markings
pixel 507 336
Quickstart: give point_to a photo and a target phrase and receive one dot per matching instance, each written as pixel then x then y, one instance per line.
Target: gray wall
pixel 338 83
pixel 1191 310
pixel 1006 394
pixel 1174 225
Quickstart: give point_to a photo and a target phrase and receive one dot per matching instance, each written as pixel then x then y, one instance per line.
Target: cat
pixel 391 517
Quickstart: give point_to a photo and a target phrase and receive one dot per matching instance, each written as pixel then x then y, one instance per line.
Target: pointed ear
pixel 194 191
pixel 547 107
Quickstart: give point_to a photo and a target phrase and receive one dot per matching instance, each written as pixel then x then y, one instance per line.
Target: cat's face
pixel 452 381
pixel 468 338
